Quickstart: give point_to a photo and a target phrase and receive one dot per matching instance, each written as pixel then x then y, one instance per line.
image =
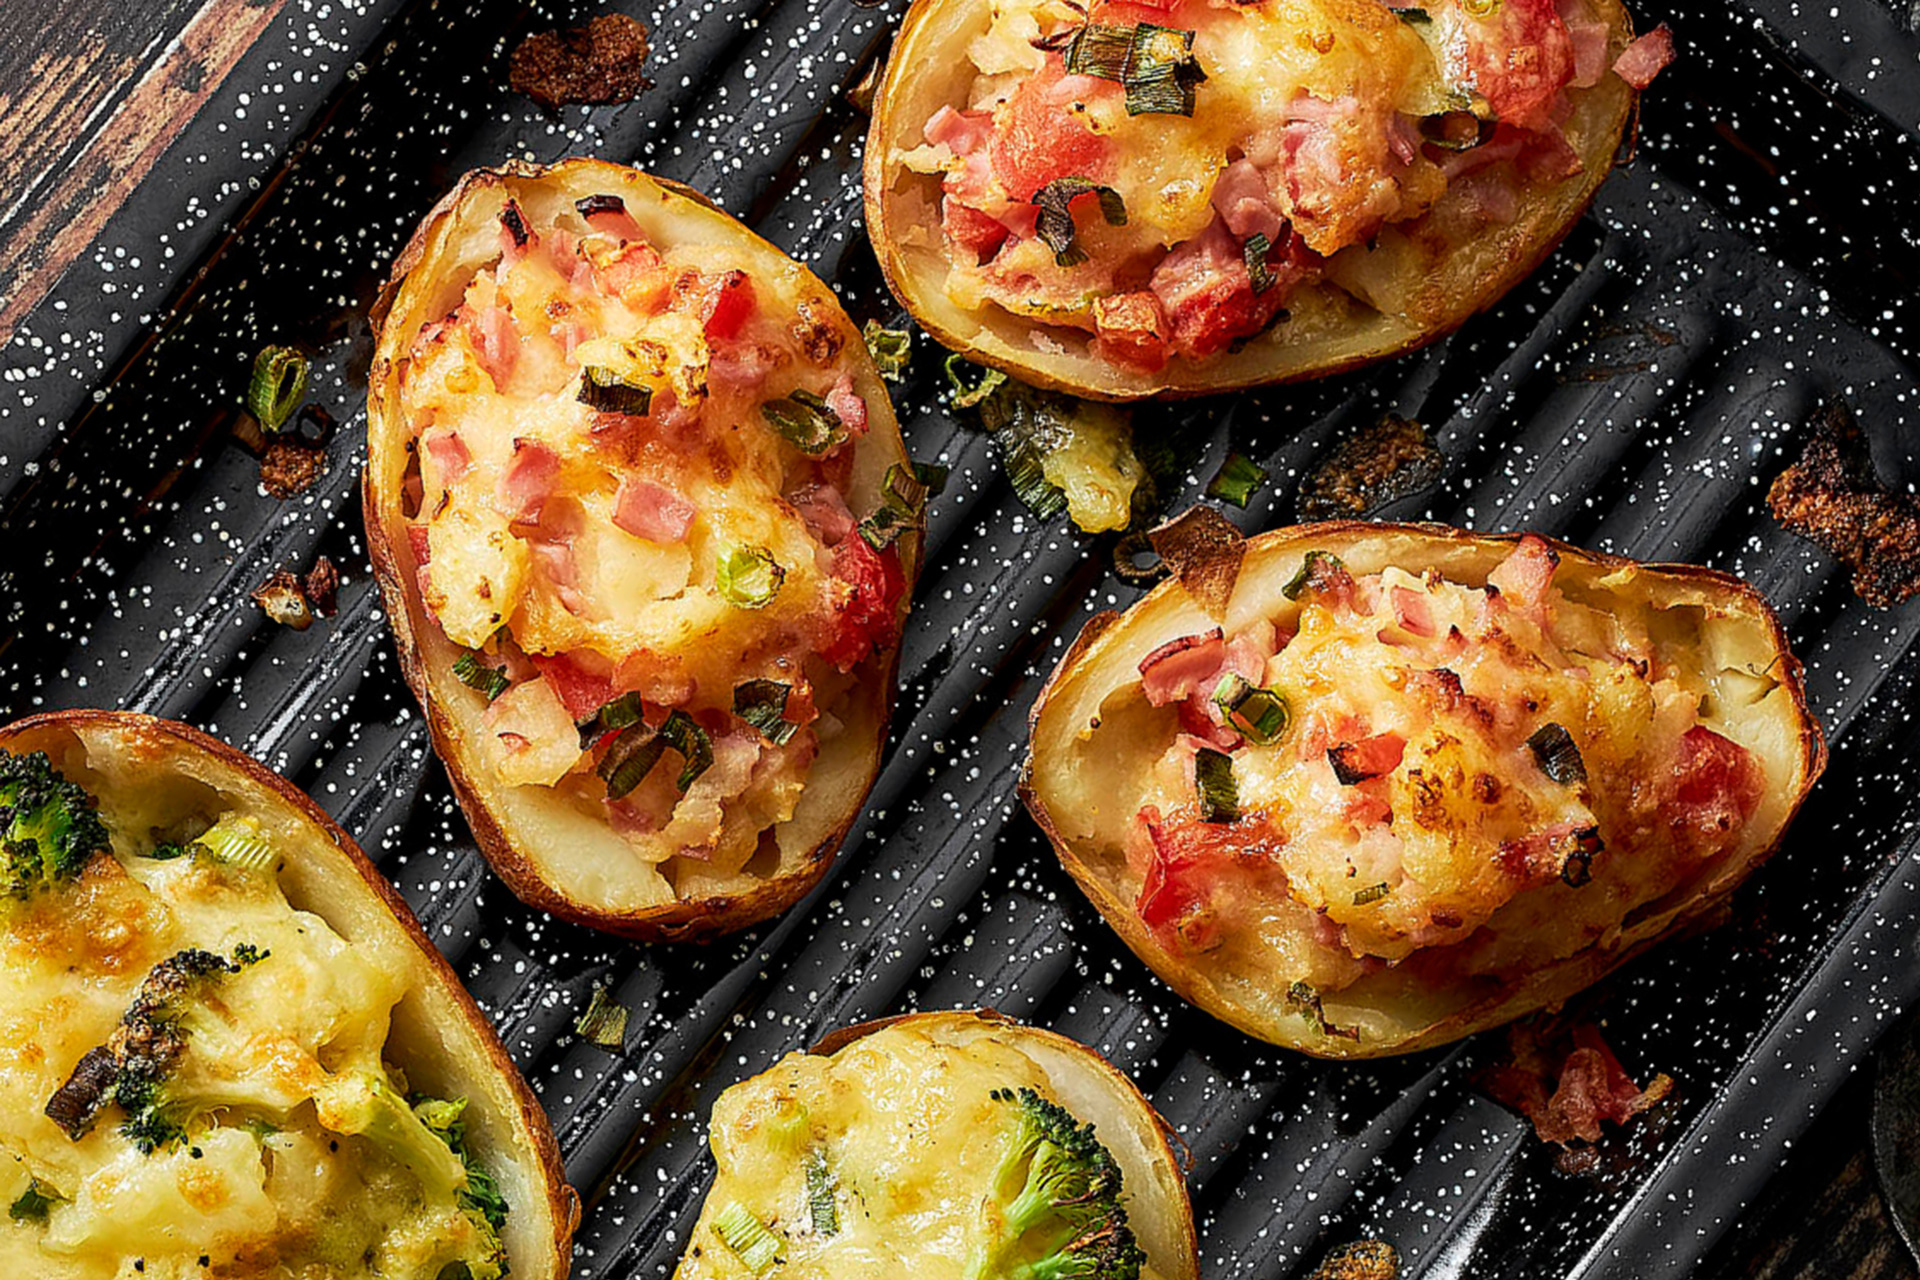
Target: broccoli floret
pixel 429 1138
pixel 135 1068
pixel 49 827
pixel 1057 1191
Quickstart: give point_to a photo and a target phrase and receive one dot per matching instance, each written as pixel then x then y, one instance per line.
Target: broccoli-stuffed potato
pixel 647 533
pixel 952 1146
pixel 226 1048
pixel 1362 789
pixel 1173 197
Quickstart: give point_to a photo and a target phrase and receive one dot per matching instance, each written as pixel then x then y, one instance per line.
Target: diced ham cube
pixel 1642 60
pixel 651 511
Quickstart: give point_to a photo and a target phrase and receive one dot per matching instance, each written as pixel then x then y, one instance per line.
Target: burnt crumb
pixel 290 468
pixel 1362 1260
pixel 1833 498
pixel 322 585
pixel 601 62
pixel 294 601
pixel 1392 459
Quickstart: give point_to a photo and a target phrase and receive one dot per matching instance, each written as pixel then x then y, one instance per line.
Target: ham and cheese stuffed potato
pixel 647 532
pixel 226 1047
pixel 1399 783
pixel 948 1146
pixel 1171 197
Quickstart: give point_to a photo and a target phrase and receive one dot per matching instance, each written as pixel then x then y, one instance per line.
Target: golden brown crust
pixel 165 743
pixel 685 919
pixel 1468 1005
pixel 927 68
pixel 1048 1047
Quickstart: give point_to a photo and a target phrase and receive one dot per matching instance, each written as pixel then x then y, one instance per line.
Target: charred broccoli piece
pixel 1057 1192
pixel 49 827
pixel 135 1067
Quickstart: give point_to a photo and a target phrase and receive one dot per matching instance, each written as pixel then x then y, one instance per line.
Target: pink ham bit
pixel 444 458
pixel 848 406
pixel 1525 576
pixel 1355 762
pixel 959 132
pixel 497 344
pixel 582 692
pixel 1519 57
pixel 651 511
pixel 527 481
pixel 1179 667
pixel 825 512
pixel 1589 51
pixel 616 222
pixel 1245 203
pixel 1412 611
pixel 1642 60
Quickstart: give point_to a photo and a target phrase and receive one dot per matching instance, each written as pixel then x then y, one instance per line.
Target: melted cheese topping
pixel 1416 800
pixel 260 1187
pixel 910 1137
pixel 588 550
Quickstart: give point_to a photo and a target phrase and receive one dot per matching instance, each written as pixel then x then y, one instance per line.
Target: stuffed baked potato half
pixel 1394 784
pixel 1174 197
pixel 226 1047
pixel 647 533
pixel 942 1145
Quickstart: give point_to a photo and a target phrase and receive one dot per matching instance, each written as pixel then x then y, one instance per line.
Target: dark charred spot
pixel 588 206
pixel 602 62
pixel 1393 459
pixel 1835 499
pixel 516 224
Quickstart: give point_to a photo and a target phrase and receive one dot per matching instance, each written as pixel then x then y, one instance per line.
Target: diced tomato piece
pixel 1209 297
pixel 1717 786
pixel 1368 758
pixel 867 586
pixel 724 302
pixel 1125 13
pixel 1042 138
pixel 1192 862
pixel 581 691
pixel 1133 330
pixel 976 232
pixel 1520 56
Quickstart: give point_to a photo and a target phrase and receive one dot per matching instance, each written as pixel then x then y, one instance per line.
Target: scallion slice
pixel 1255 253
pixel 1238 477
pixel 605 391
pixel 1371 894
pixel 903 503
pixel 749 577
pixel 748 1237
pixel 1313 571
pixel 763 704
pixel 964 396
pixel 1558 755
pixel 1055 225
pixel 1099 50
pixel 890 349
pixel 622 712
pixel 805 422
pixel 278 385
pixel 1162 72
pixel 1259 715
pixel 820 1206
pixel 33 1203
pixel 1213 780
pixel 605 1021
pixel 630 759
pixel 693 744
pixel 238 841
pixel 475 674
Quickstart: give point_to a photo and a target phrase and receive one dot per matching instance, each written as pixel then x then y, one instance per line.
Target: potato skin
pixel 540 1226
pixel 423 651
pixel 1425 1013
pixel 1161 1210
pixel 1460 278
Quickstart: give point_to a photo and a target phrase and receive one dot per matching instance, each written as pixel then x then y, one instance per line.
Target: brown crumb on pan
pixel 1392 459
pixel 1833 498
pixel 294 601
pixel 1566 1080
pixel 601 62
pixel 289 468
pixel 1363 1260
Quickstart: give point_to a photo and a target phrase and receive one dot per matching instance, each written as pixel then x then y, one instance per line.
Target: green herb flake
pixel 804 421
pixel 277 387
pixel 964 396
pixel 890 349
pixel 475 674
pixel 1162 73
pixel 903 504
pixel 747 1237
pixel 605 391
pixel 763 704
pixel 1236 480
pixel 605 1021
pixel 1213 782
pixel 639 747
pixel 1255 252
pixel 34 1202
pixel 1055 226
pixel 749 577
pixel 1259 715
pixel 820 1184
pixel 1371 894
pixel 1315 569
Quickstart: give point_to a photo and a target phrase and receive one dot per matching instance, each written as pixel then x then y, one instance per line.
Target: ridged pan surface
pixel 1636 396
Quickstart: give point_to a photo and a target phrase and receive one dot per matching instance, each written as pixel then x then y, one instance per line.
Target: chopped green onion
pixel 820 1207
pixel 789 1126
pixel 763 704
pixel 1238 477
pixel 805 422
pixel 748 1237
pixel 693 744
pixel 965 397
pixel 903 504
pixel 749 577
pixel 1371 894
pixel 605 1021
pixel 246 953
pixel 278 385
pixel 168 852
pixel 622 712
pixel 605 391
pixel 1099 50
pixel 1213 780
pixel 890 349
pixel 475 674
pixel 1412 15
pixel 34 1202
pixel 1314 569
pixel 1306 1002
pixel 1255 252
pixel 630 760
pixel 1259 715
pixel 238 841
pixel 1558 755
pixel 1162 72
pixel 1055 226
